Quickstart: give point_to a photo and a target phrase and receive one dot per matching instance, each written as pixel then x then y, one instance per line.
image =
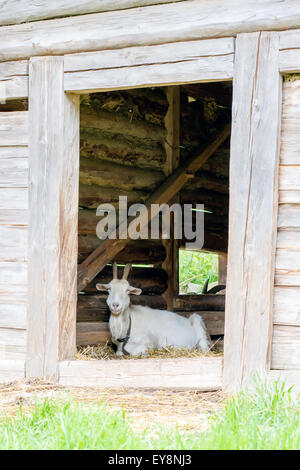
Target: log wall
pixel 286 333
pixel 13 242
pixel 124 133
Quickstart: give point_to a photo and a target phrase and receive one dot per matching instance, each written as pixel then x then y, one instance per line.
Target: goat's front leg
pixel 136 349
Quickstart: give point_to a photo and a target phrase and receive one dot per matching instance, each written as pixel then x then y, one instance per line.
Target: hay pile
pixel 105 351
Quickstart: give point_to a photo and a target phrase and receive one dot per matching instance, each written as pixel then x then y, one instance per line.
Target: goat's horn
pixel 115 270
pixel 126 271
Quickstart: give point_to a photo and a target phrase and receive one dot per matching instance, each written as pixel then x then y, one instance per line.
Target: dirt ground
pixel 187 409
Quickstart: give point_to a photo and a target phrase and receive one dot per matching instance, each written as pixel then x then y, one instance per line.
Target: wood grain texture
pixel 13 241
pixel 12 344
pixel 13 315
pixel 290 136
pixel 203 374
pixel 52 255
pixel 207 60
pixel 287 305
pixel 163 63
pixel 11 369
pixel 143 26
pixel 13 172
pixel 14 128
pixel 14 79
pixel 286 347
pixel 253 207
pixel 22 11
pixel 287 269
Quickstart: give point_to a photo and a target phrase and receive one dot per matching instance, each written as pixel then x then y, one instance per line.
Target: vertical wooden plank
pixel 253 207
pixel 222 269
pixel 172 149
pixel 53 202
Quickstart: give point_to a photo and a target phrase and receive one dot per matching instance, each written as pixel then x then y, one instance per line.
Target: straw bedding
pixel 105 351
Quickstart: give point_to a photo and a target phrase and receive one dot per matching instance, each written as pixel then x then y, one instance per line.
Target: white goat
pixel 141 328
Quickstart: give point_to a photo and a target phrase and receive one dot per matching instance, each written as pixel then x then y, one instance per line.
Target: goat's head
pixel 118 291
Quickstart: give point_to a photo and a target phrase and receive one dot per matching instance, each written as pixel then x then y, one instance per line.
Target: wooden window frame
pixel 54 84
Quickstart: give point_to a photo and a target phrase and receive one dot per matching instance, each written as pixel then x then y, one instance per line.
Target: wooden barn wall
pixel 157 24
pixel 286 333
pixel 13 242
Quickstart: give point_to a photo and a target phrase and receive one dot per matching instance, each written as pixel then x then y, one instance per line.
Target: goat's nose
pixel 115 305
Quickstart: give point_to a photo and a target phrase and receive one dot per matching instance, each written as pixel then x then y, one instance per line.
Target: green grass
pixel 196 267
pixel 267 418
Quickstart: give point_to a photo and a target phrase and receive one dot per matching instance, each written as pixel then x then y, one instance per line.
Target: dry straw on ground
pixel 105 351
pixel 144 408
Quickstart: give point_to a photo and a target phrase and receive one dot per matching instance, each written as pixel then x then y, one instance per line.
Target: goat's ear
pixel 102 287
pixel 134 290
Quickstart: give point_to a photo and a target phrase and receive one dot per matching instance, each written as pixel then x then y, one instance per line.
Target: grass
pixel 266 418
pixel 195 267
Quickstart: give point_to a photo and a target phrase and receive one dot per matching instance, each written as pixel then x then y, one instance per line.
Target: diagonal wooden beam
pixel 109 248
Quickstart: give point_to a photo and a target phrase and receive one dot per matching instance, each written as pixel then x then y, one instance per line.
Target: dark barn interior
pixel 130 142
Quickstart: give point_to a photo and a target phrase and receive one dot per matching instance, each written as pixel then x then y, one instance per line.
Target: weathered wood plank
pixel 253 207
pixel 172 150
pixel 143 26
pixel 13 152
pixel 13 172
pixel 287 305
pixel 204 373
pixel 288 239
pixel 14 128
pixel 9 294
pixel 12 343
pixel 13 315
pixel 287 269
pixel 13 199
pixel 208 59
pixel 208 69
pixel 290 136
pixel 289 197
pixel 289 39
pixel 289 178
pixel 22 11
pixel 289 216
pixel 11 370
pixel 13 243
pixel 52 256
pixel 286 347
pixel 13 79
pixel 147 55
pixel 14 217
pixel 13 273
pixel 289 61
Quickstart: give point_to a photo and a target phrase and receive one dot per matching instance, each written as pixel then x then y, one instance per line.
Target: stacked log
pixel 122 153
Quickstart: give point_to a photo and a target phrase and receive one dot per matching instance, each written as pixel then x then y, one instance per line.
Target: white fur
pixel 150 328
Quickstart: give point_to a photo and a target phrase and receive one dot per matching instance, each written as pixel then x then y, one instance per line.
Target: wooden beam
pixel 253 207
pixel 200 373
pixel 145 26
pixel 52 252
pixel 108 248
pixel 24 11
pixel 172 149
